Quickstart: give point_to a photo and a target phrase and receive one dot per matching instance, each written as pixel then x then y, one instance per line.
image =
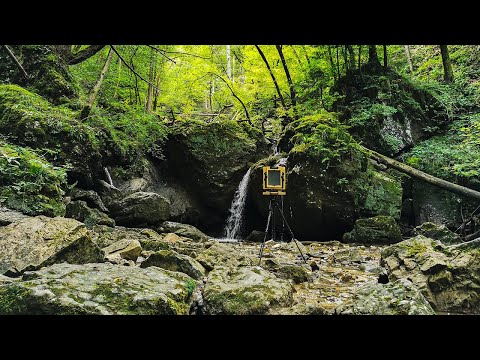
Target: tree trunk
pixel 385 58
pixel 229 64
pixel 409 57
pixel 119 71
pixel 272 76
pixel 151 79
pixel 332 63
pixel 351 53
pixel 359 57
pixel 306 54
pixel 447 64
pixel 433 180
pixel 338 63
pixel 287 74
pixel 91 100
pixel 81 55
pixel 14 59
pixel 372 55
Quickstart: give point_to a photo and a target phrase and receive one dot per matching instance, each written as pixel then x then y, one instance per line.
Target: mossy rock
pixel 376 230
pixel 173 261
pixel 104 236
pixel 437 232
pixel 80 211
pixel 100 289
pixel 245 291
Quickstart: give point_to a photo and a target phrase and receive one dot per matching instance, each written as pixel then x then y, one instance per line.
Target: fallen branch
pixel 14 59
pixel 433 180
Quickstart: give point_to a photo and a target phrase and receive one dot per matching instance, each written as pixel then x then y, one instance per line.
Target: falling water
pixel 234 221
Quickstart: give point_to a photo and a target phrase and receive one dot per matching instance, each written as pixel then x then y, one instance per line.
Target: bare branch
pixel 14 59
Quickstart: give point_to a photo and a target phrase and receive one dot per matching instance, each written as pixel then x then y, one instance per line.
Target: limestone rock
pixel 245 291
pixel 65 289
pixel 395 298
pixel 375 230
pixel 173 261
pixel 222 254
pixel 447 276
pixel 39 241
pixel 92 199
pixel 8 216
pixel 127 249
pixel 437 232
pixel 184 230
pixel 79 210
pixel 141 208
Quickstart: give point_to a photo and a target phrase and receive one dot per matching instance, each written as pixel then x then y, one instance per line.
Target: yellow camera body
pixel 274 180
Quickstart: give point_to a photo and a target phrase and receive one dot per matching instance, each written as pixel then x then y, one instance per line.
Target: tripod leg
pixel 260 254
pixel 293 236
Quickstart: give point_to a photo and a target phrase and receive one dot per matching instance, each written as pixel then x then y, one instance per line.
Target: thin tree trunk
pixel 14 59
pixel 296 55
pixel 306 54
pixel 385 58
pixel 119 71
pixel 84 54
pixel 332 63
pixel 157 86
pixel 409 57
pixel 351 53
pixel 151 79
pixel 447 64
pixel 338 63
pixel 287 74
pixel 433 180
pixel 229 64
pixel 91 100
pixel 272 76
pixel 359 56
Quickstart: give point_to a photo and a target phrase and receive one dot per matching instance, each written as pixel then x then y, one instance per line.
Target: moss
pixel 10 299
pixel 384 195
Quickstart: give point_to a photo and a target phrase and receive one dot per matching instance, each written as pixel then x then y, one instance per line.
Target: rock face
pixel 126 249
pixel 79 210
pixel 321 206
pixel 448 277
pixel 396 298
pixel 437 232
pixel 221 254
pixel 8 216
pixel 245 291
pixel 184 230
pixel 141 208
pixel 39 241
pixel 173 261
pixel 65 289
pixel 375 230
pixel 210 160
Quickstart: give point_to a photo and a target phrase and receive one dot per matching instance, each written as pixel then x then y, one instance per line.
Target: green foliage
pixel 29 183
pixel 323 136
pixel 368 112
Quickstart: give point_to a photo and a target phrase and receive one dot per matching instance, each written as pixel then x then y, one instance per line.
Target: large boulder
pixel 437 232
pixel 92 199
pixel 126 249
pixel 100 289
pixel 173 261
pixel 448 276
pixel 79 210
pixel 245 291
pixel 184 230
pixel 141 208
pixel 210 159
pixel 400 297
pixel 376 230
pixel 39 241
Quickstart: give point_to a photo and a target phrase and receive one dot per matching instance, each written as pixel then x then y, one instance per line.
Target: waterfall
pixel 234 221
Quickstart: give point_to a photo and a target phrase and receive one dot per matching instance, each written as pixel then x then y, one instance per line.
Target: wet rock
pixel 437 232
pixel 140 208
pixel 173 261
pixel 184 230
pixel 245 291
pixel 396 298
pixel 255 236
pixel 65 289
pixel 39 241
pixel 92 199
pixel 375 230
pixel 80 211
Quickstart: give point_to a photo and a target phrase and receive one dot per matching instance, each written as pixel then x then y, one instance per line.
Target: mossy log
pixel 433 180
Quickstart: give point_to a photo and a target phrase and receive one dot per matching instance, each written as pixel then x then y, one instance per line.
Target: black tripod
pixel 271 215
